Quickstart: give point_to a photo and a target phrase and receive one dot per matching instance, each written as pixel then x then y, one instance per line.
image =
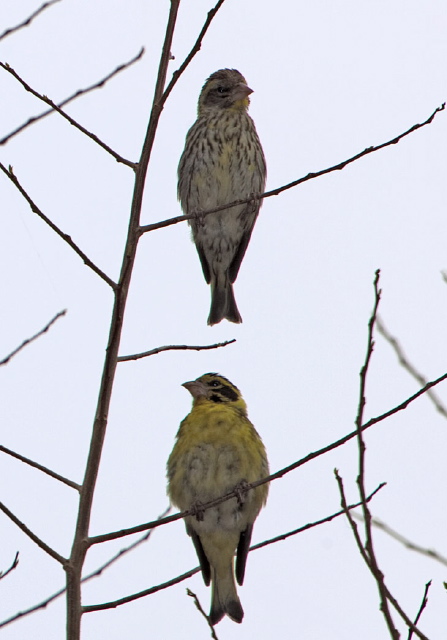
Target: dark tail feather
pixel 224 600
pixel 223 304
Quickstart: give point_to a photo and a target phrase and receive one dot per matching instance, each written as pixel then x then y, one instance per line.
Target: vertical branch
pixel 369 549
pixel 79 547
pixel 421 608
pixel 360 411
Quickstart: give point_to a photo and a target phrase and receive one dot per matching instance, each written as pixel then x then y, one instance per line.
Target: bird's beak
pixel 196 388
pixel 241 92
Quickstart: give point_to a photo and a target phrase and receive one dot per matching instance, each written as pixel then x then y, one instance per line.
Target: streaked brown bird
pixel 223 161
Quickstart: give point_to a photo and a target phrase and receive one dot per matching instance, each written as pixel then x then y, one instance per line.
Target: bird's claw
pixel 241 491
pixel 197 510
pixel 199 218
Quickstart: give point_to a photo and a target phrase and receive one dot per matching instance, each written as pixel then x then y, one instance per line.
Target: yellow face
pixel 212 387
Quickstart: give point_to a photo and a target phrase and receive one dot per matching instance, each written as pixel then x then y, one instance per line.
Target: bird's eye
pixel 214 383
pixel 222 90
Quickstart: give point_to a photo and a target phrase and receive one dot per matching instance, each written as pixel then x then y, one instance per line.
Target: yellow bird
pixel 217 451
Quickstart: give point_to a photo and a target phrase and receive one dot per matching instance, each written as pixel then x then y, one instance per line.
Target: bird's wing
pixel 242 248
pixel 242 553
pixel 204 262
pixel 203 560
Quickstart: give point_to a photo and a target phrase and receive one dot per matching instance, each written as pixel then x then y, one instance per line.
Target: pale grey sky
pixel 329 80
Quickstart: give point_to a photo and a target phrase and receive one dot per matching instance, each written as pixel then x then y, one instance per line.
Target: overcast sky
pixel 329 80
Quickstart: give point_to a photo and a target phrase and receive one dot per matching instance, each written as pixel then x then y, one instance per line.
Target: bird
pixel 223 161
pixel 217 451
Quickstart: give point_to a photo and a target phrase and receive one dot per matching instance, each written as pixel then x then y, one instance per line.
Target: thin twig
pixel 367 550
pixel 310 176
pixel 199 607
pixel 40 467
pixel 188 574
pixel 196 48
pixel 71 120
pixel 274 476
pixel 97 572
pixel 14 565
pixel 124 551
pixel 107 537
pixel 364 555
pixel 421 608
pixel 97 85
pixel 174 347
pixel 141 594
pixel 369 547
pixel 35 209
pixel 29 340
pixel 406 364
pixel 338 443
pixel 28 20
pixel 26 612
pixel 40 543
pixel 430 553
pixel 311 525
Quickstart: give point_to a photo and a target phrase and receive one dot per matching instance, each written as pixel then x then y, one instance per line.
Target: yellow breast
pixel 217 447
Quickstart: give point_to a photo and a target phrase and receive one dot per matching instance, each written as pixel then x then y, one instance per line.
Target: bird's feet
pixel 197 510
pixel 199 218
pixel 241 492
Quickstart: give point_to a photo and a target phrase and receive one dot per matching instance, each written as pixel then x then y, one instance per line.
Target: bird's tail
pixel 224 599
pixel 223 303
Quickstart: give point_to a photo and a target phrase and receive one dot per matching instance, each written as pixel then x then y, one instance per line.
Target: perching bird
pixel 223 161
pixel 218 450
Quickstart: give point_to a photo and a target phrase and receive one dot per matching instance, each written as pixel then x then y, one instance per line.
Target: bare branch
pixel 174 347
pixel 310 176
pixel 97 572
pixel 123 552
pixel 79 546
pixel 370 556
pixel 421 608
pixel 338 443
pixel 406 364
pixel 188 574
pixel 28 20
pixel 274 476
pixel 367 550
pixel 40 543
pixel 196 48
pixel 40 467
pixel 71 120
pixel 365 557
pixel 106 537
pixel 98 85
pixel 311 525
pixel 199 607
pixel 26 612
pixel 35 209
pixel 29 340
pixel 15 564
pixel 141 594
pixel 430 553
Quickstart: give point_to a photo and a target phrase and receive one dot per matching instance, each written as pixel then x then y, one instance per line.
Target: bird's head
pixel 212 387
pixel 224 89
